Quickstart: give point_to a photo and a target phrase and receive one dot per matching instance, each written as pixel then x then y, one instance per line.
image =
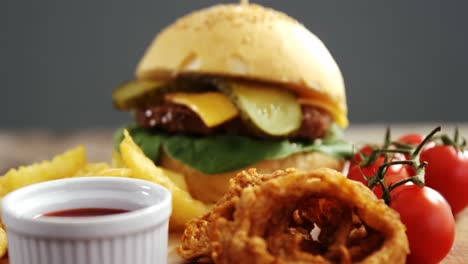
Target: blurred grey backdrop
pixel 403 61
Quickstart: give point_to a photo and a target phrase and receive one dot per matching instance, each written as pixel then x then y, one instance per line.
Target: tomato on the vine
pixel 425 213
pixel 447 173
pixel 394 174
pixel 430 226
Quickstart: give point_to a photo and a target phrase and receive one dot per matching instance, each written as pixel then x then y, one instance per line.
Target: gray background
pixel 403 61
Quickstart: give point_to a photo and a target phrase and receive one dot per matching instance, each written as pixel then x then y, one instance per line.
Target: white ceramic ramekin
pixel 136 237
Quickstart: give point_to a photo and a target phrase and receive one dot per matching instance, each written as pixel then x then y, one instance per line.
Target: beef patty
pixel 176 118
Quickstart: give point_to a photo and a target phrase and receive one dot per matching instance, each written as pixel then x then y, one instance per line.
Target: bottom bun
pixel 210 187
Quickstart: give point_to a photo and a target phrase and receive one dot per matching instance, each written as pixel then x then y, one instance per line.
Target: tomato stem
pixel 396 162
pixel 455 141
pixel 418 149
pixel 385 192
pixel 387 140
pixel 446 140
pixel 369 160
pixel 403 146
pixel 382 171
pixel 413 179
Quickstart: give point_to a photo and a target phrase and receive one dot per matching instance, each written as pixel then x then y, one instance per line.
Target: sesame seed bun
pixel 251 42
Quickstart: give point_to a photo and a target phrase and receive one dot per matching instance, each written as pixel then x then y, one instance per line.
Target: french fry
pixel 61 166
pixel 184 206
pixel 3 186
pixel 133 164
pixel 117 160
pixel 176 178
pixel 116 172
pixel 91 169
pixel 3 243
pixel 112 172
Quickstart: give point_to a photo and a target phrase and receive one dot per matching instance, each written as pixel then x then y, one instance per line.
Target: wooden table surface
pixel 24 147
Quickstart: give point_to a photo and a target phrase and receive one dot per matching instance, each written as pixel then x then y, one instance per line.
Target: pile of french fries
pixel 130 163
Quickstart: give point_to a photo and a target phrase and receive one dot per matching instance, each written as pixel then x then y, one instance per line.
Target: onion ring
pixel 272 218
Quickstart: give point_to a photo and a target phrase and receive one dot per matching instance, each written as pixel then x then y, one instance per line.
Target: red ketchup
pixel 85 212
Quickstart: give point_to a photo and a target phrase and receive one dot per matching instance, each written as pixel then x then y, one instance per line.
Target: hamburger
pixel 235 86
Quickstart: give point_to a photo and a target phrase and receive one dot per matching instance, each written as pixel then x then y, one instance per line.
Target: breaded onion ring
pixel 275 219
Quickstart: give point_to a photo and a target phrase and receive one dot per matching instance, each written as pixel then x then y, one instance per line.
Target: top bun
pixel 253 42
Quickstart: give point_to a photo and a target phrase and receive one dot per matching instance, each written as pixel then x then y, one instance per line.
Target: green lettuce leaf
pixel 223 153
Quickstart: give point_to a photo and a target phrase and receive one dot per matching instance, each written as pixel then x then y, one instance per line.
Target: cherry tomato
pixel 412 138
pixel 430 226
pixel 394 174
pixel 447 173
pixel 416 139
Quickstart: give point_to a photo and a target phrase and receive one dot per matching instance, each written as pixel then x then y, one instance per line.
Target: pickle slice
pixel 128 93
pixel 142 93
pixel 273 111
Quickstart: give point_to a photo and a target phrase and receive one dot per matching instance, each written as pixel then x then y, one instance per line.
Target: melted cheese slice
pixel 337 115
pixel 213 108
